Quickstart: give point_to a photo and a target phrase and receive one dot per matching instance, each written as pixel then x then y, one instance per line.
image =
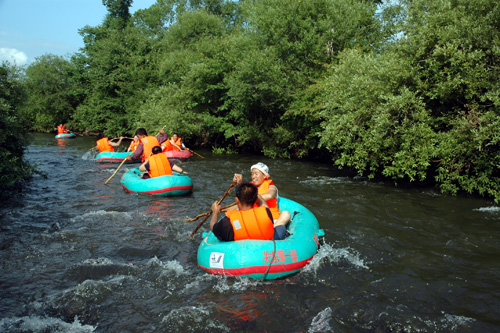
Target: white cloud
pixel 13 56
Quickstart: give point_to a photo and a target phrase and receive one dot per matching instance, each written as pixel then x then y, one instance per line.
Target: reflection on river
pixel 81 256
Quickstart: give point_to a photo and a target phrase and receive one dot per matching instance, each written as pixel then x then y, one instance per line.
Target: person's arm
pixel 178 169
pixel 215 214
pixel 137 153
pixel 162 137
pixel 144 167
pixel 271 193
pixel 117 143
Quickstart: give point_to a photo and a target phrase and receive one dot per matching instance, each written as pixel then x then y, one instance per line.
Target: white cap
pixel 261 167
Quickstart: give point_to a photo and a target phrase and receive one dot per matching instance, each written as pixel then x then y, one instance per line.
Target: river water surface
pixel 81 256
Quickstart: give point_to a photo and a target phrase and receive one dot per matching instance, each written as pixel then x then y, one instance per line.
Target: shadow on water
pixel 78 255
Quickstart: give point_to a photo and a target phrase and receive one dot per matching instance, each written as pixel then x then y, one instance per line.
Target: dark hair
pixel 156 150
pixel 100 136
pixel 141 131
pixel 247 193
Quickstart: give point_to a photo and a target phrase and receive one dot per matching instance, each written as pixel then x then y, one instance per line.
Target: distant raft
pixel 176 184
pixel 114 157
pixel 178 154
pixel 65 136
pixel 265 259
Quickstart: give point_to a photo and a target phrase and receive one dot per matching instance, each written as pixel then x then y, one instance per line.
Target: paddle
pixel 196 153
pixel 210 212
pixel 206 217
pixel 114 173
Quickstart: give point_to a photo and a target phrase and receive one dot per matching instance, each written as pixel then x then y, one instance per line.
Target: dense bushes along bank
pixel 405 90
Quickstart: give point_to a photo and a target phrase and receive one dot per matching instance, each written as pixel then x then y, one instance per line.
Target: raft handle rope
pixel 274 251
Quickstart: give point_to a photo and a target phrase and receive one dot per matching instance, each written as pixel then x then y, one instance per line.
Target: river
pixel 81 256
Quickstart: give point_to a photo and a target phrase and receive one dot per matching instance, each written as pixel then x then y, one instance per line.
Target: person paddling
pixel 249 221
pixel 104 145
pixel 158 165
pixel 61 129
pixel 268 192
pixel 145 147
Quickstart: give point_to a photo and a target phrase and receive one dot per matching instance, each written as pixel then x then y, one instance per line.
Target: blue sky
pixel 31 28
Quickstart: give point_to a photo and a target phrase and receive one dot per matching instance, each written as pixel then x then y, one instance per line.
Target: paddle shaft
pixel 208 213
pixel 206 217
pixel 196 153
pixel 114 173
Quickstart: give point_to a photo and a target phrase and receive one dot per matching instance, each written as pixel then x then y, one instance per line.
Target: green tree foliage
pixel 13 169
pixel 427 104
pixel 407 89
pixel 52 98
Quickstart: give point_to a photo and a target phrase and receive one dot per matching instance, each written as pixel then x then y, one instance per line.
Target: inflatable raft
pixel 265 259
pixel 114 157
pixel 177 184
pixel 178 154
pixel 65 136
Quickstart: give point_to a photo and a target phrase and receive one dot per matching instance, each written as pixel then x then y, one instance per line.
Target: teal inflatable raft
pixel 177 184
pixel 65 136
pixel 114 157
pixel 268 259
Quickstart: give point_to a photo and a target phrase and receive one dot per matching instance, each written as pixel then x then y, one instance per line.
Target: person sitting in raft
pixel 146 144
pixel 177 144
pixel 104 145
pixel 167 146
pixel 268 192
pixel 158 165
pixel 133 144
pixel 61 129
pixel 248 221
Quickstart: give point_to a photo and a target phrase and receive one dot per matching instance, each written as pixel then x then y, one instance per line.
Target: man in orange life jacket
pixel 248 221
pixel 158 165
pixel 145 147
pixel 268 192
pixel 104 145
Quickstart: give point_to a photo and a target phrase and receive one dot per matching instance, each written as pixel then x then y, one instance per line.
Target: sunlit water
pixel 81 256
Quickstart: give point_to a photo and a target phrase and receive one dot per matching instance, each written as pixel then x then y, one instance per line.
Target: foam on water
pixel 169 266
pixel 43 324
pixel 492 209
pixel 321 323
pixel 327 253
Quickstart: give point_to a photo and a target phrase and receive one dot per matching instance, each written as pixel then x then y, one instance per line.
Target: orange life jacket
pixel 133 145
pixel 147 146
pixel 61 129
pixel 104 146
pixel 271 203
pixel 174 143
pixel 159 165
pixel 167 146
pixel 253 223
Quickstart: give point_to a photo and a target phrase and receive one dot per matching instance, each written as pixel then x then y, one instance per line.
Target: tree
pixel 51 96
pixel 14 169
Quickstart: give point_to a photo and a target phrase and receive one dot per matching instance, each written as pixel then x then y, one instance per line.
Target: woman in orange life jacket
pixel 104 145
pixel 177 144
pixel 248 221
pixel 268 192
pixel 158 165
pixel 133 144
pixel 146 144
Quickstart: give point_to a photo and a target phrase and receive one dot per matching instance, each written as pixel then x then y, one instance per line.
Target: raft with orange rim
pixel 66 136
pixel 265 259
pixel 176 184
